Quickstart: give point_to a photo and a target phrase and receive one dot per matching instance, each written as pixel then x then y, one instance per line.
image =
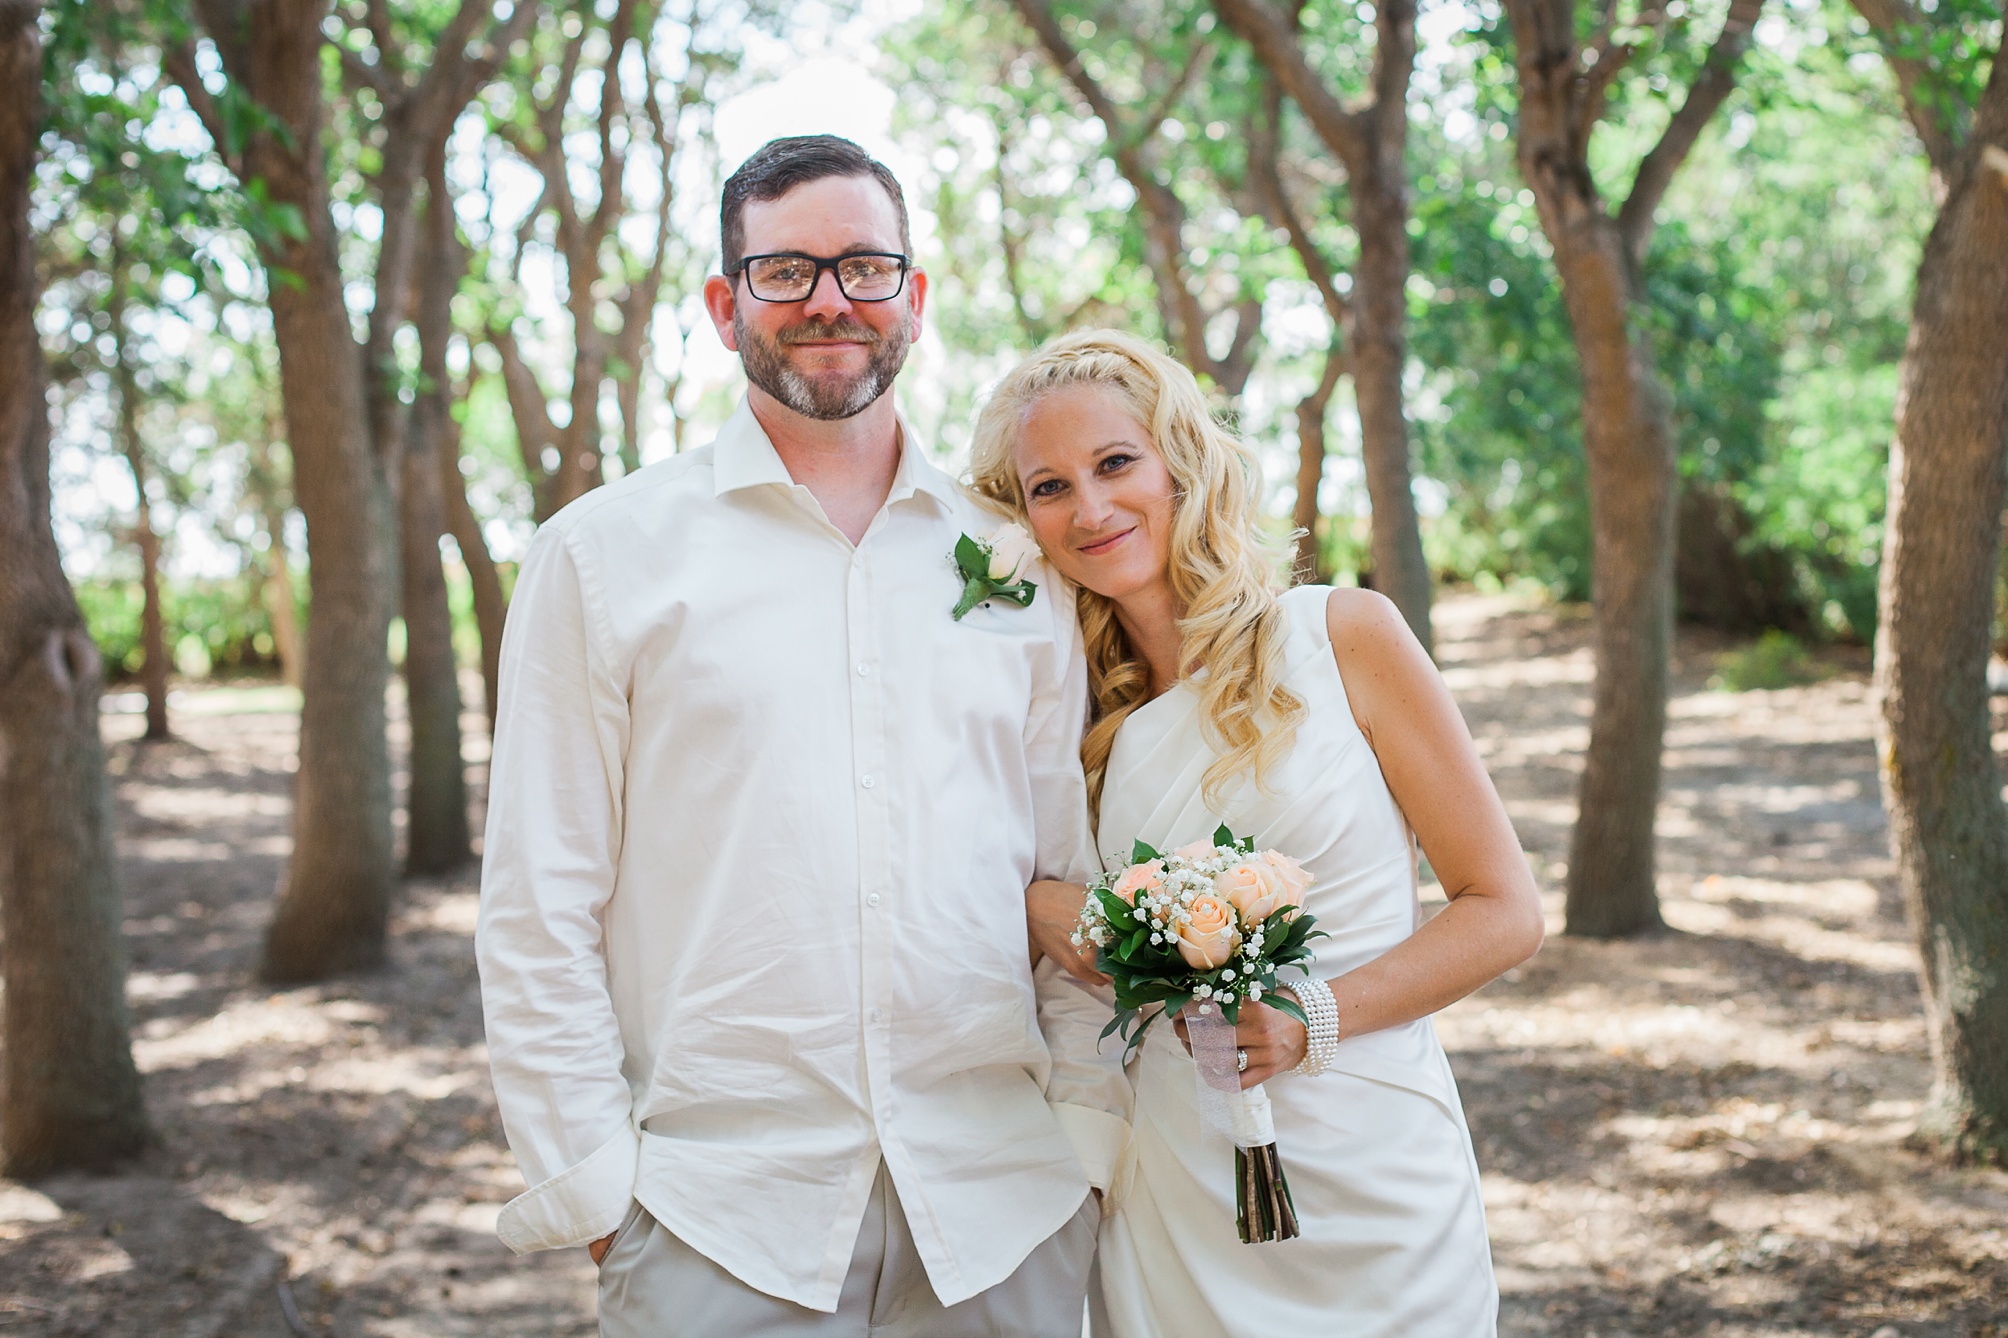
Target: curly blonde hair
pixel 1223 570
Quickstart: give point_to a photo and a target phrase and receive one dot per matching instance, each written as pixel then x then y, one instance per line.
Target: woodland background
pixel 1652 357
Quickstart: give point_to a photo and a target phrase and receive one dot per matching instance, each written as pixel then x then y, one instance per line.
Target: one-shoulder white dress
pixel 1376 1150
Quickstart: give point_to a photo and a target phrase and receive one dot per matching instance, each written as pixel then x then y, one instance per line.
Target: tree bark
pixel 153 626
pixel 276 579
pixel 1310 566
pixel 279 603
pixel 71 1091
pixel 334 906
pixel 490 605
pixel 1627 431
pixel 1628 443
pixel 436 830
pixel 1378 352
pixel 345 429
pixel 1940 779
pixel 535 432
pixel 1372 143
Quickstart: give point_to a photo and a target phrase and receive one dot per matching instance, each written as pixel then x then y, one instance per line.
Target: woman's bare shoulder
pixel 1365 622
pixel 1386 671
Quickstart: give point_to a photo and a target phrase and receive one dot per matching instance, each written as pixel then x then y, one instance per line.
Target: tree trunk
pixel 581 466
pixel 436 831
pixel 334 908
pixel 71 1091
pixel 1379 355
pixel 536 434
pixel 1941 783
pixel 627 395
pixel 1628 442
pixel 490 606
pixel 1627 428
pixel 1310 566
pixel 153 626
pixel 1372 142
pixel 276 575
pixel 279 603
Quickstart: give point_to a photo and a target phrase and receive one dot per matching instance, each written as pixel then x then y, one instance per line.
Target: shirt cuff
pixel 577 1205
pixel 1098 1138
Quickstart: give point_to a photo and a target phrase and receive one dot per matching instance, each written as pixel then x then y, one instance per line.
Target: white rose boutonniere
pixel 990 568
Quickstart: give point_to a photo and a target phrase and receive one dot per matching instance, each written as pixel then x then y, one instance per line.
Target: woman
pixel 1312 722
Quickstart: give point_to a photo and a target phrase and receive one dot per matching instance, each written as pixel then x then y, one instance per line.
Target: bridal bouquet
pixel 1200 930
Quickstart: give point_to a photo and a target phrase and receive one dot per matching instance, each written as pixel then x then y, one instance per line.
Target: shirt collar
pixel 744 457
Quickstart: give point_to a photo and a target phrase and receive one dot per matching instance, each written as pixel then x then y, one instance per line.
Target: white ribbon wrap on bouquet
pixel 1244 1117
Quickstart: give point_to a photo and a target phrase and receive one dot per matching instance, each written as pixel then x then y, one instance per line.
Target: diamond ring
pixel 1240 1061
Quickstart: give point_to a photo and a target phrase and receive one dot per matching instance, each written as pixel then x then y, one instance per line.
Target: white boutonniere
pixel 990 567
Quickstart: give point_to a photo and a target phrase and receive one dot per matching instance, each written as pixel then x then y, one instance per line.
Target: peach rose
pixel 1146 878
pixel 1296 879
pixel 1253 888
pixel 1197 850
pixel 1209 938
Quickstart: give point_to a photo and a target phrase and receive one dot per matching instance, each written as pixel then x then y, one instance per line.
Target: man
pixel 761 816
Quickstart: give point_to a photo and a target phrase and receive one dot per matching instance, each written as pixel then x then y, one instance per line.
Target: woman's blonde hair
pixel 1223 571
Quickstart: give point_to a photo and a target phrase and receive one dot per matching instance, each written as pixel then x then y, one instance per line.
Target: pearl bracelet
pixel 1321 1037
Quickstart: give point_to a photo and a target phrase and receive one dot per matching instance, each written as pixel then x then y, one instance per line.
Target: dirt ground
pixel 1703 1133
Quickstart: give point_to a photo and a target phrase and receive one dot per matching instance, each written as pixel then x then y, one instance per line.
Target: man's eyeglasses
pixel 866 276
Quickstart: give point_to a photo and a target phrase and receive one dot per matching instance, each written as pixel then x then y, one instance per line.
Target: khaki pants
pixel 652 1285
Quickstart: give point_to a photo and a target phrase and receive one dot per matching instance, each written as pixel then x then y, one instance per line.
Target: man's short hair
pixel 780 165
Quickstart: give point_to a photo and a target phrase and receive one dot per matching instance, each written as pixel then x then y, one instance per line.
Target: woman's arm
pixel 1052 909
pixel 1493 921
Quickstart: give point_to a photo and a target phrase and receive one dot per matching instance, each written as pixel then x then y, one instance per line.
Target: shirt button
pixel 872 900
pixel 867 782
pixel 864 670
pixel 878 1014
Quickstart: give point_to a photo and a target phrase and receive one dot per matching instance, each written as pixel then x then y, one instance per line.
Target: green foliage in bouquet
pixel 1137 948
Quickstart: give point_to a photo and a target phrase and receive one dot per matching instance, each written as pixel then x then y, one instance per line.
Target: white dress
pixel 1376 1150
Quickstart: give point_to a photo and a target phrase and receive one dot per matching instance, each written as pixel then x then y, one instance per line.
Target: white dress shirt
pixel 761 817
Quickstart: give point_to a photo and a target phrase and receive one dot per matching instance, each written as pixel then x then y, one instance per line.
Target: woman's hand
pixel 1274 1040
pixel 1051 911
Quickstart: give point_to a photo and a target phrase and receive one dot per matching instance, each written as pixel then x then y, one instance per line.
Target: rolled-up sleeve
pixel 552 845
pixel 1086 1087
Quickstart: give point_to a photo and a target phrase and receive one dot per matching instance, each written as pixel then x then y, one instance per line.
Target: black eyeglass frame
pixel 822 263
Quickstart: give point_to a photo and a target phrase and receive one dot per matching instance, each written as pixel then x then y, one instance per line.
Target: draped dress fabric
pixel 1376 1150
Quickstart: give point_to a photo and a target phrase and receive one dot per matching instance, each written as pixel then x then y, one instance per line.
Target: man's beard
pixel 821 397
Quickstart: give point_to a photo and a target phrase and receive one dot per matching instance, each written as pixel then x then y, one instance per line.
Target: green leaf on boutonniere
pixel 972 563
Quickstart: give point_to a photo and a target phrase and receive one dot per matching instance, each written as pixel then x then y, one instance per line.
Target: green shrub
pixel 213 626
pixel 1774 660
